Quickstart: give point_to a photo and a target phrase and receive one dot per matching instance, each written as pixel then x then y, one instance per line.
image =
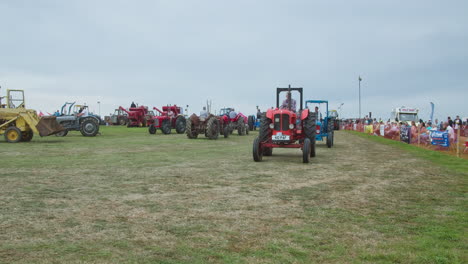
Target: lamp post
pixel 339 108
pixel 99 104
pixel 360 79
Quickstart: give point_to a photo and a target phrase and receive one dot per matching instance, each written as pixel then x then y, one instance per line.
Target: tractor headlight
pixel 291 126
pixel 272 126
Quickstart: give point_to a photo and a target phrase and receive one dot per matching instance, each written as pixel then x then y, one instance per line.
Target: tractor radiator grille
pixel 285 122
pixel 277 122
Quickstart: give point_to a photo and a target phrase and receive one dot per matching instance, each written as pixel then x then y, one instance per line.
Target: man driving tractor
pixel 288 100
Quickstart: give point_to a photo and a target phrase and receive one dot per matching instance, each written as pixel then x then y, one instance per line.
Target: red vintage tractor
pixel 210 125
pixel 138 116
pixel 284 128
pixel 170 117
pixel 238 122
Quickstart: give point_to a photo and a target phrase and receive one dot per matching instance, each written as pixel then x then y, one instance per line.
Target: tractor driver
pixel 83 112
pixel 203 113
pixel 232 114
pixel 288 99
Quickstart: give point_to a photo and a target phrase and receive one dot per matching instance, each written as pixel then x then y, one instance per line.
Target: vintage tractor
pixel 170 117
pixel 325 126
pixel 138 116
pixel 238 122
pixel 210 126
pixel 19 124
pixel 118 118
pixel 87 125
pixel 283 128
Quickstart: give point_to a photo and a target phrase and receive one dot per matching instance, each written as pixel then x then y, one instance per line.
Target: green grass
pixel 130 197
pixel 449 162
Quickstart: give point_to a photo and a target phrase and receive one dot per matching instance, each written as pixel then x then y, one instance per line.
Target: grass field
pixel 129 197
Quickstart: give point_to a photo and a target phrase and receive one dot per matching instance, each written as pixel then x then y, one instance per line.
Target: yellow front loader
pixel 19 124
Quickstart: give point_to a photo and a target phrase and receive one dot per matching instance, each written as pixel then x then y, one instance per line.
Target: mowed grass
pixel 130 197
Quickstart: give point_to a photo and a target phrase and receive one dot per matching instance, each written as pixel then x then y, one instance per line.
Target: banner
pixel 405 134
pixel 440 138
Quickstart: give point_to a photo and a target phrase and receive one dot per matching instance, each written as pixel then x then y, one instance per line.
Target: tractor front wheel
pixel 89 127
pixel 257 151
pixel 166 126
pixel 13 134
pixel 27 136
pixel 330 139
pixel 180 124
pixel 152 129
pixel 306 150
pixel 62 133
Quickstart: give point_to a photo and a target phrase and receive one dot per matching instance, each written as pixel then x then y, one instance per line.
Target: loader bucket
pixel 48 126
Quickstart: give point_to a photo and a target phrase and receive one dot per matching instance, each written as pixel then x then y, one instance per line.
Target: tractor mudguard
pixel 269 114
pixel 304 114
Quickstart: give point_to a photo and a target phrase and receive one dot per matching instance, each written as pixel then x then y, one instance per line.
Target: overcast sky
pixel 236 53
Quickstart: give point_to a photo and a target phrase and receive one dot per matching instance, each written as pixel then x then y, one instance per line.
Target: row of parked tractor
pixel 280 127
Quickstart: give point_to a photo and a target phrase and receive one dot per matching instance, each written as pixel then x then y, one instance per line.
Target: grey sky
pixel 236 53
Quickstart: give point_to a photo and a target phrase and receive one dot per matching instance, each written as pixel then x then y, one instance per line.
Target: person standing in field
pixel 450 121
pixel 457 122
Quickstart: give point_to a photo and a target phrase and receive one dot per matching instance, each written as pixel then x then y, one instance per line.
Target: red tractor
pixel 210 125
pixel 170 117
pixel 284 128
pixel 138 116
pixel 238 122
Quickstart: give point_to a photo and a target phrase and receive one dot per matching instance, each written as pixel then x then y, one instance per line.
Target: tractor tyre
pixel 265 131
pixel 89 127
pixel 257 152
pixel 330 139
pixel 306 150
pixel 240 126
pixel 13 134
pixel 226 131
pixel 190 130
pixel 180 124
pixel 212 128
pixel 62 133
pixel 152 129
pixel 267 151
pixel 27 136
pixel 309 126
pixel 166 126
pixel 251 122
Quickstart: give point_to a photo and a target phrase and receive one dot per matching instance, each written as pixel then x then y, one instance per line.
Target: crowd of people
pixel 420 131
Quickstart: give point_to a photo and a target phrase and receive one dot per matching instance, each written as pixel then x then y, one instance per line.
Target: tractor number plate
pixel 280 137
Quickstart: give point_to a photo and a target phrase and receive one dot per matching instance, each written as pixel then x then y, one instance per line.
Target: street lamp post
pixel 99 104
pixel 360 79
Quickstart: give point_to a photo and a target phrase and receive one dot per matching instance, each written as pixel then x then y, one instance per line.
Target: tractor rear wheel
pixel 152 129
pixel 257 152
pixel 226 131
pixel 62 133
pixel 251 122
pixel 180 124
pixel 89 127
pixel 265 131
pixel 306 149
pixel 240 126
pixel 13 134
pixel 27 136
pixel 212 128
pixel 190 129
pixel 166 126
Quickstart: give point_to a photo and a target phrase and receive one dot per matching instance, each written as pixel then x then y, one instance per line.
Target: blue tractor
pixel 325 125
pixel 87 125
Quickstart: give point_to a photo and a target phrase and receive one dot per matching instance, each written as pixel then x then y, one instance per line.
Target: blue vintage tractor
pixel 324 125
